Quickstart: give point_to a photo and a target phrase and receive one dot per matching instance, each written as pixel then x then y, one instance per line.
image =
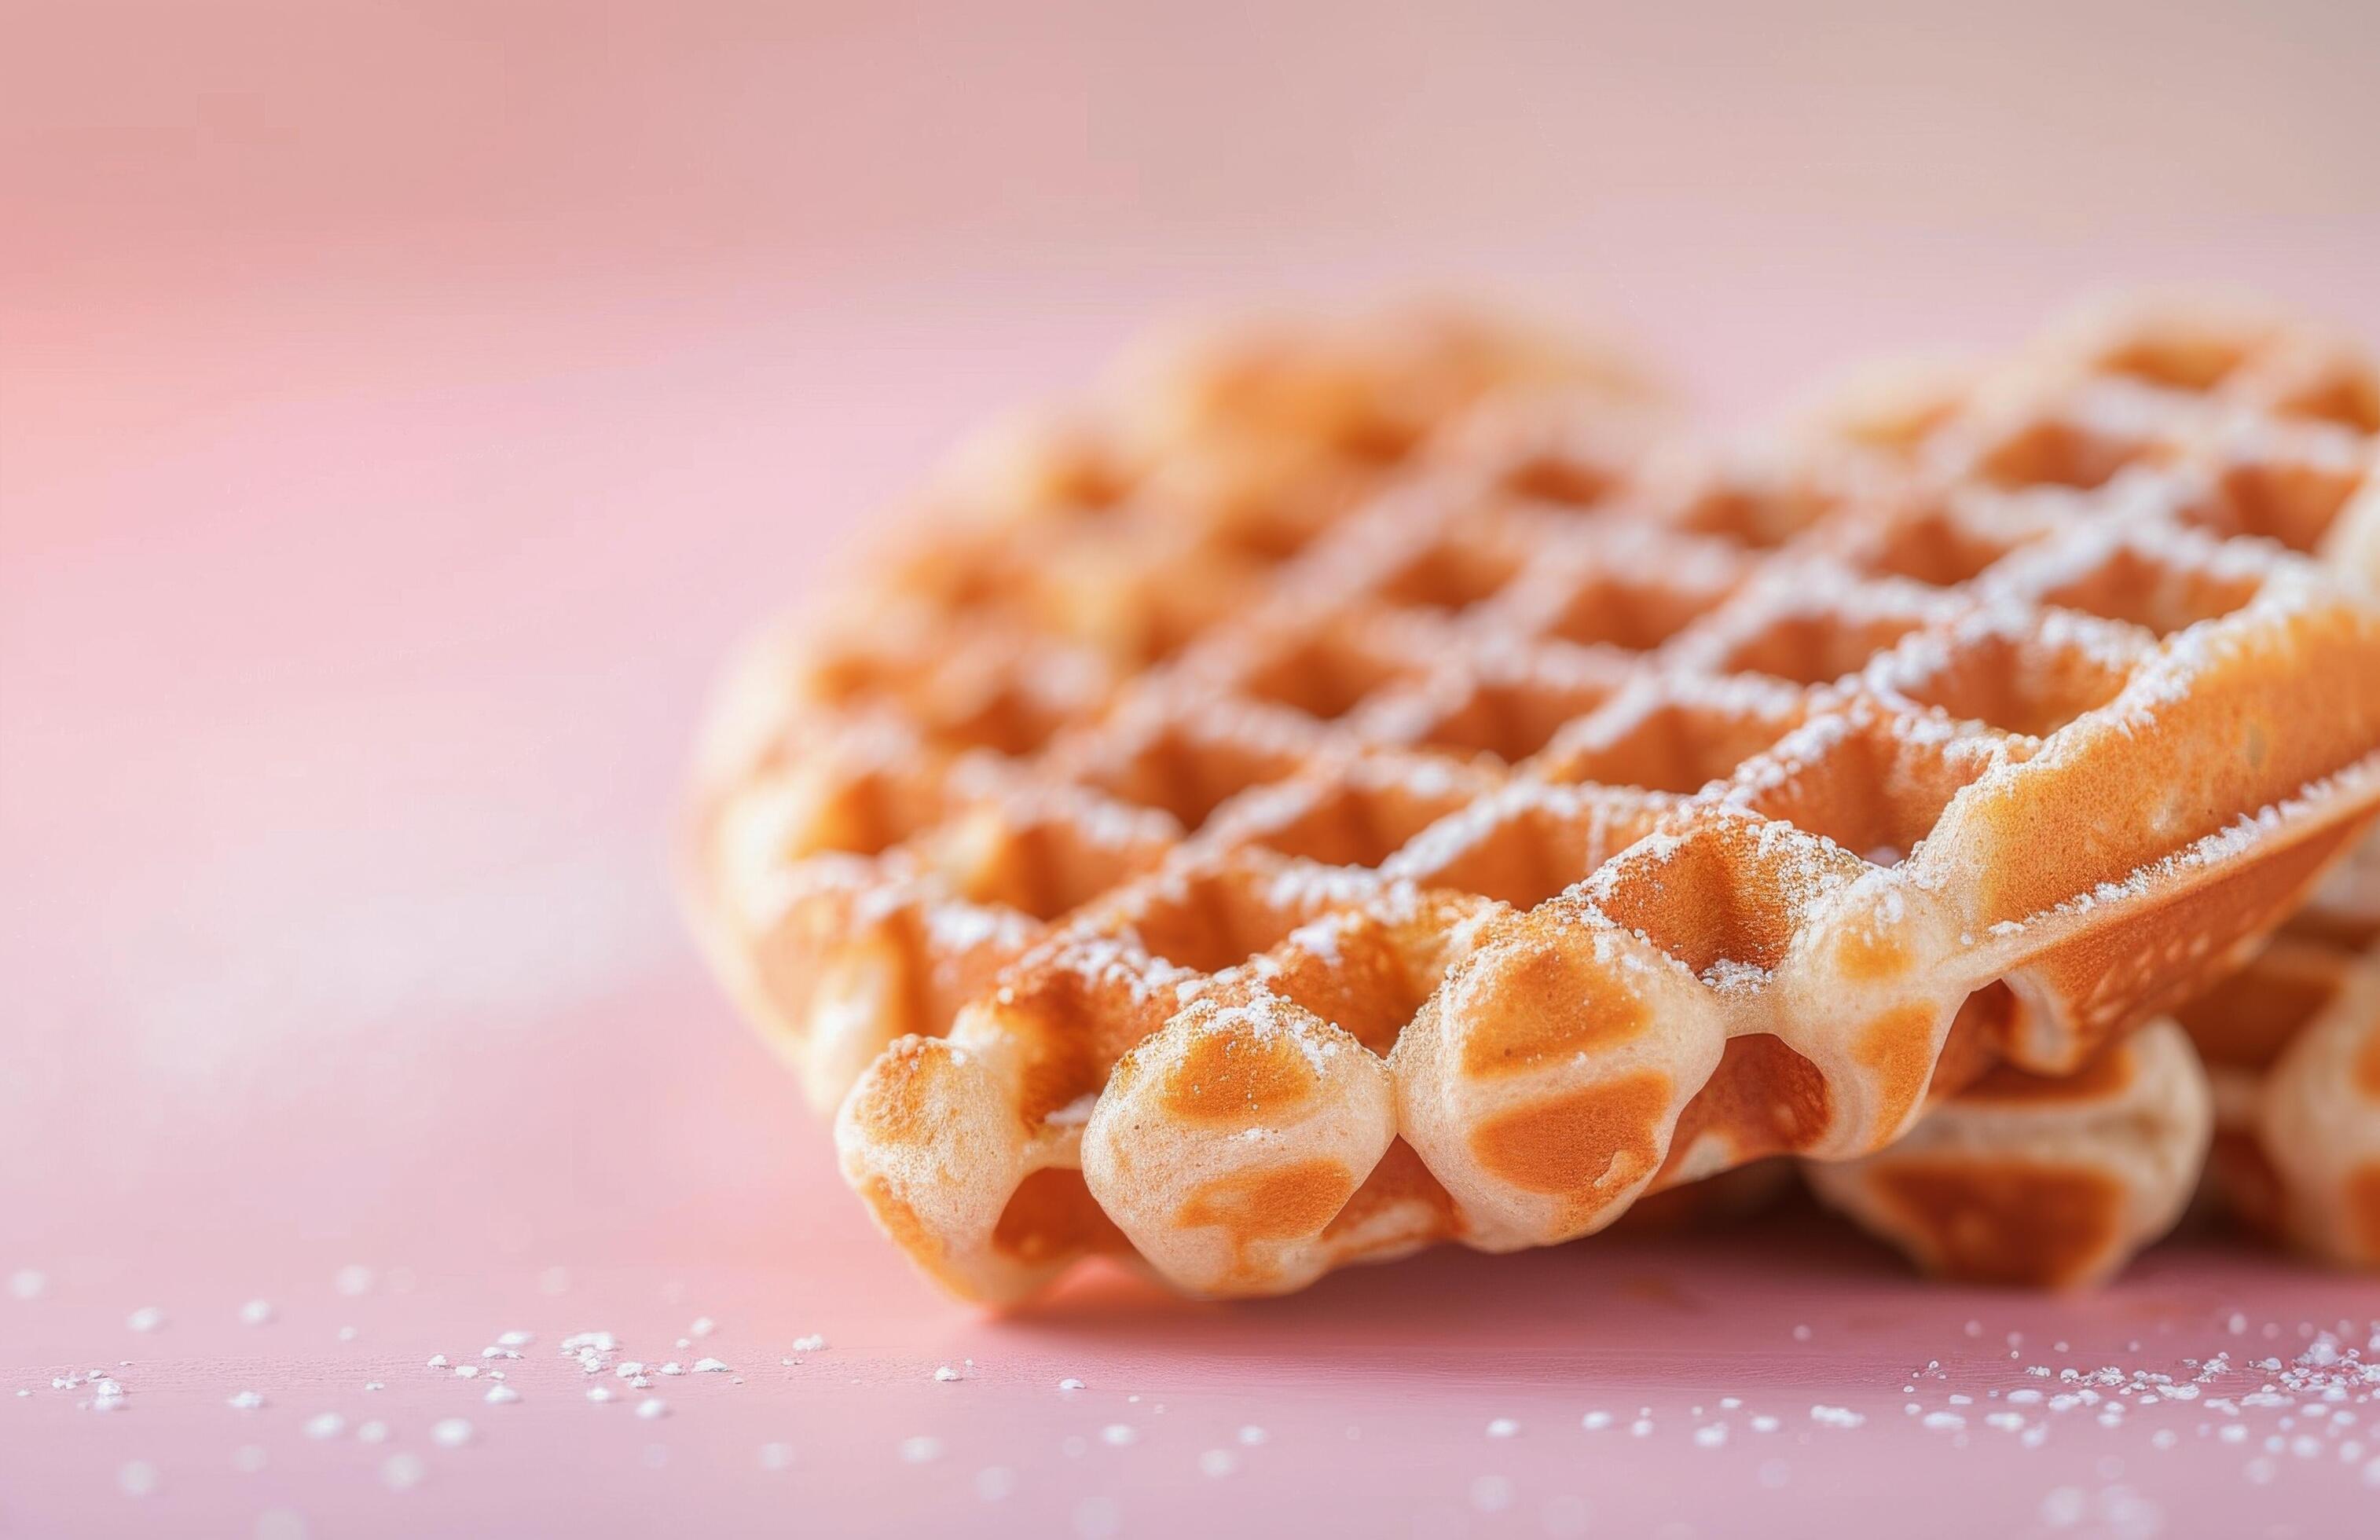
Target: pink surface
pixel 401 411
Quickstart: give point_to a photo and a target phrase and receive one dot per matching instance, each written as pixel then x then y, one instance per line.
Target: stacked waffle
pixel 2060 1179
pixel 1363 787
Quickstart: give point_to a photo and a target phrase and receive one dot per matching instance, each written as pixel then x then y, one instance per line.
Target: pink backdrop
pixel 402 408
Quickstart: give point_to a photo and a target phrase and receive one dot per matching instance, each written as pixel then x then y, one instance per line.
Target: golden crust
pixel 2290 1049
pixel 1354 795
pixel 2293 1045
pixel 2052 1181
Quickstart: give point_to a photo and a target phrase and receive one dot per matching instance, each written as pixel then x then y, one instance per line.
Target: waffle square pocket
pixel 1377 783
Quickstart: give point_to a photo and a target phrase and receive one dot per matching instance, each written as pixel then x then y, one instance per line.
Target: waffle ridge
pixel 2253 1094
pixel 1465 822
pixel 2291 1046
pixel 2262 1093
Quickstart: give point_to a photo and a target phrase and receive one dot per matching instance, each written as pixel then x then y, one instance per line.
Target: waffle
pixel 2292 1045
pixel 870 837
pixel 1534 818
pixel 2056 1181
pixel 2049 1181
pixel 2060 1181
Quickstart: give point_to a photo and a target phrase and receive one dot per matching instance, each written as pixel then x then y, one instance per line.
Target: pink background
pixel 401 408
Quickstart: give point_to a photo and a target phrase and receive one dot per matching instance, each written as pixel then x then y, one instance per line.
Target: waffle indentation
pixel 1562 817
pixel 2031 679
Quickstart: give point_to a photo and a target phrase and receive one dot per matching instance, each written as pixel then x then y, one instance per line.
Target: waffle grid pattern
pixel 2058 1181
pixel 1491 818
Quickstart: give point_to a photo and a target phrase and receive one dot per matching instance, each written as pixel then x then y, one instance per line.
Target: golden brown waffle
pixel 2292 1045
pixel 1541 822
pixel 2274 419
pixel 2039 1180
pixel 875 824
pixel 2058 1181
